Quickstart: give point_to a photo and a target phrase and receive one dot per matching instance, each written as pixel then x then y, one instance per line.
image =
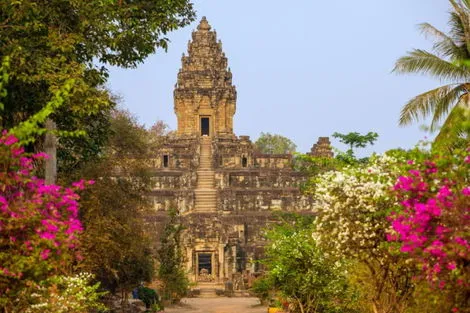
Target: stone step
pixel 208 208
pixel 205 191
pixel 206 182
pixel 207 293
pixel 206 202
pixel 206 197
pixel 206 178
pixel 205 208
pixel 205 173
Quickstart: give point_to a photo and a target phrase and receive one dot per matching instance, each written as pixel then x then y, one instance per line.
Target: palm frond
pixel 462 14
pixel 421 61
pixel 453 129
pixel 444 45
pixel 445 104
pixel 424 104
pixel 467 4
pixel 457 31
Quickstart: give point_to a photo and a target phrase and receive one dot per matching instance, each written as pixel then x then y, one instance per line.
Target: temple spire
pixel 204 87
pixel 204 25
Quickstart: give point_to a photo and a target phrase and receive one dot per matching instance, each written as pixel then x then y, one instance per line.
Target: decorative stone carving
pixel 204 86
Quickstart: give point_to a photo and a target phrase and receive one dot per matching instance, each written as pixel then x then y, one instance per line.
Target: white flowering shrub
pixel 351 223
pixel 352 205
pixel 68 294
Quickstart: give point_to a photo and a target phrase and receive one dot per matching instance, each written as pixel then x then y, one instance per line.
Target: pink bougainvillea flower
pixel 47 235
pixel 41 155
pixel 451 266
pixel 10 140
pixel 45 254
pixel 466 191
pixel 79 184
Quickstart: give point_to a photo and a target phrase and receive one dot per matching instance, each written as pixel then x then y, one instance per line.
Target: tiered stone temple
pixel 225 191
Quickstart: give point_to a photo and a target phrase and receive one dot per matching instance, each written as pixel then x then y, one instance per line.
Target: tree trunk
pixel 50 147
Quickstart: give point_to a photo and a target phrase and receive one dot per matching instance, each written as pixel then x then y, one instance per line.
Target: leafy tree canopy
pixel 51 43
pixel 274 144
pixel 301 273
pixel 354 140
pixel 116 246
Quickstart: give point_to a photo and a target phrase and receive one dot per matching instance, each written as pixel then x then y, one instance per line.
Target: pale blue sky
pixel 302 69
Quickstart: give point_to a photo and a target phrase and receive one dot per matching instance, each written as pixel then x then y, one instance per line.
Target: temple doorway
pixel 205 129
pixel 205 263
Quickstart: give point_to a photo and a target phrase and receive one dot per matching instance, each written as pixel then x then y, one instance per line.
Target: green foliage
pixel 68 294
pixel 274 144
pixel 3 80
pixel 148 296
pixel 28 130
pixel 52 44
pixel 315 165
pixel 170 271
pixel 263 288
pixel 352 205
pixel 116 246
pixel 448 63
pixel 356 140
pixel 302 274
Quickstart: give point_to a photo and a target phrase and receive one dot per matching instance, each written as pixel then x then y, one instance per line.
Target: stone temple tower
pixel 226 192
pixel 204 95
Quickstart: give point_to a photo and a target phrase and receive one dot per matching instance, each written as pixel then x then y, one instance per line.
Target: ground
pixel 218 305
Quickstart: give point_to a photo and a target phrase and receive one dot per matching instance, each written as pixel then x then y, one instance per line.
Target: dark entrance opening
pixel 205 126
pixel 205 262
pixel 244 162
pixel 165 160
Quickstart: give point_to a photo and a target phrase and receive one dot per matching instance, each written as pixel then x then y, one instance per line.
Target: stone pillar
pixel 221 262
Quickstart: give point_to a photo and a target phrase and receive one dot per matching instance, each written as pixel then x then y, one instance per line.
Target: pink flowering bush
pixel 432 222
pixel 39 225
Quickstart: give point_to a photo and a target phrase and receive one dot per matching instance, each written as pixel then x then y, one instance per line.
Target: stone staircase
pixel 207 290
pixel 205 192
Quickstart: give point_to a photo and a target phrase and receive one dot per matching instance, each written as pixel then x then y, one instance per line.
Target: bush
pixel 149 297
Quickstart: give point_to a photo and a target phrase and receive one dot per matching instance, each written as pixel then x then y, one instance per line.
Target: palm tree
pixel 449 62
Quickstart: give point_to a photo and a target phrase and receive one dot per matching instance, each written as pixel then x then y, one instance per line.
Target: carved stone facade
pixel 204 95
pixel 225 192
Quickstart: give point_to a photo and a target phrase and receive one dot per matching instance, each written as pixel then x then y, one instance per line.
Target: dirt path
pixel 218 305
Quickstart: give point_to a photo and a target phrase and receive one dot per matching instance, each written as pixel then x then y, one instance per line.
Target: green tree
pixel 354 140
pixel 302 274
pixel 50 43
pixel 274 144
pixel 170 258
pixel 448 63
pixel 116 245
